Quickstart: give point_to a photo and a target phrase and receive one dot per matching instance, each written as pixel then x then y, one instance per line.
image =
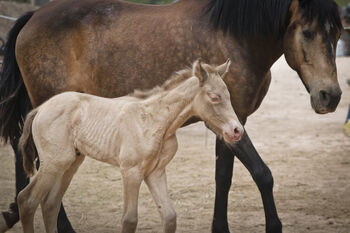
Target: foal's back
pixel 97 127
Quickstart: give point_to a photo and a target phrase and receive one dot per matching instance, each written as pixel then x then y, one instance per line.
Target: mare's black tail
pixel 14 100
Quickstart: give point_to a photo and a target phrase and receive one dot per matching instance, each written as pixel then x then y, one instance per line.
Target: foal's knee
pixel 50 206
pixel 263 177
pixel 25 205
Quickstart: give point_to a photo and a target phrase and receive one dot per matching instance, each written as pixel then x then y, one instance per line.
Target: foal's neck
pixel 175 106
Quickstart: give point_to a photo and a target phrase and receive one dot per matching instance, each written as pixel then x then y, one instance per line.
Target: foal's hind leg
pixel 50 206
pixel 157 185
pixel 30 197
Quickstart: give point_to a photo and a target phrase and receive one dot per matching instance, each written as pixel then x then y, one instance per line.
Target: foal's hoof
pixel 3 225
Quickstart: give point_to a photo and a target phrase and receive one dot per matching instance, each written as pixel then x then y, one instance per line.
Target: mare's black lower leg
pixel 11 216
pixel 246 153
pixel 223 179
pixel 63 224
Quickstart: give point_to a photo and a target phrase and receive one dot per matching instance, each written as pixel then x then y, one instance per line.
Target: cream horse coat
pixel 135 133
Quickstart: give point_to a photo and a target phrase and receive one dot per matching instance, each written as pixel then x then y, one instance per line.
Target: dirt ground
pixel 308 154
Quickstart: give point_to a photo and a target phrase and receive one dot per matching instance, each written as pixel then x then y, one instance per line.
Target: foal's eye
pixel 214 98
pixel 308 34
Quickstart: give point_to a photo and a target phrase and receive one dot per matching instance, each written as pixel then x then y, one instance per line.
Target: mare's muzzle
pixel 325 101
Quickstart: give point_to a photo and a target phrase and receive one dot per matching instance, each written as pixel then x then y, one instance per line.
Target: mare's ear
pixel 224 68
pixel 199 71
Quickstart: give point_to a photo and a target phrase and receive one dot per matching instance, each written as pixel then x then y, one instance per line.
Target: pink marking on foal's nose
pixel 237 133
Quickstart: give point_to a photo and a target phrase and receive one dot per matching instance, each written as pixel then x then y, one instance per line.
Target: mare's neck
pixel 253 56
pixel 263 52
pixel 174 107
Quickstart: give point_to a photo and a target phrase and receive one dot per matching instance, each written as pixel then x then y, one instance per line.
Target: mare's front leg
pixel 132 178
pixel 246 153
pixel 223 180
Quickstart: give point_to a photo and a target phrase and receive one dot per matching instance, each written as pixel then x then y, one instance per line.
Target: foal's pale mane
pixel 176 79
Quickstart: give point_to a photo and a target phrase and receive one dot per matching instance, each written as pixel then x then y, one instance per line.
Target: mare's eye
pixel 214 98
pixel 309 34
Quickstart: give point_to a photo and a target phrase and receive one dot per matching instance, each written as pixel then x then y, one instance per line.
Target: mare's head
pixel 212 103
pixel 310 42
pixel 309 30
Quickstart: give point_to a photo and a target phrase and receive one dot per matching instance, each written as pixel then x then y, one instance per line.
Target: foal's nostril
pixel 325 98
pixel 237 132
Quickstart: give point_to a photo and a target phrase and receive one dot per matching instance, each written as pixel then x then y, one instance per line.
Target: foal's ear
pixel 199 71
pixel 224 68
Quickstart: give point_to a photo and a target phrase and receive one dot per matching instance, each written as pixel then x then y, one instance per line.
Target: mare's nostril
pixel 325 98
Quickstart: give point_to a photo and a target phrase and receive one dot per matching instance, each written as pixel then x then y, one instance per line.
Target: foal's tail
pixel 26 143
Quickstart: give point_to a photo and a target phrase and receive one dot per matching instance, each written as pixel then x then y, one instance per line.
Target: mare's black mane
pixel 244 18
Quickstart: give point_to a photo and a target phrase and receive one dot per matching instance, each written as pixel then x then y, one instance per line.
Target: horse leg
pixel 11 216
pixel 158 187
pixel 132 179
pixel 223 180
pixel 31 196
pixel 246 153
pixel 50 206
pixel 63 223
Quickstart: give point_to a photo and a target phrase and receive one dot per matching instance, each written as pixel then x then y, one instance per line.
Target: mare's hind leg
pixel 132 179
pixel 11 216
pixel 50 205
pixel 157 185
pixel 30 197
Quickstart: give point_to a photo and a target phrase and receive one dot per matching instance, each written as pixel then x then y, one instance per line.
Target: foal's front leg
pixel 132 179
pixel 157 185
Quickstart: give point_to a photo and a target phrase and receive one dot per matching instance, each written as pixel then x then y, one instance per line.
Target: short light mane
pixel 176 79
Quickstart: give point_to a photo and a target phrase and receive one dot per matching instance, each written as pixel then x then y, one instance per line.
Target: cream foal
pixel 136 133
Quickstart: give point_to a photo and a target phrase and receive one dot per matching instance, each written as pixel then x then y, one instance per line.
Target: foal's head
pixel 212 103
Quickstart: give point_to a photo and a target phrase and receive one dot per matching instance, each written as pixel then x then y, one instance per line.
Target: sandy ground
pixel 308 154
